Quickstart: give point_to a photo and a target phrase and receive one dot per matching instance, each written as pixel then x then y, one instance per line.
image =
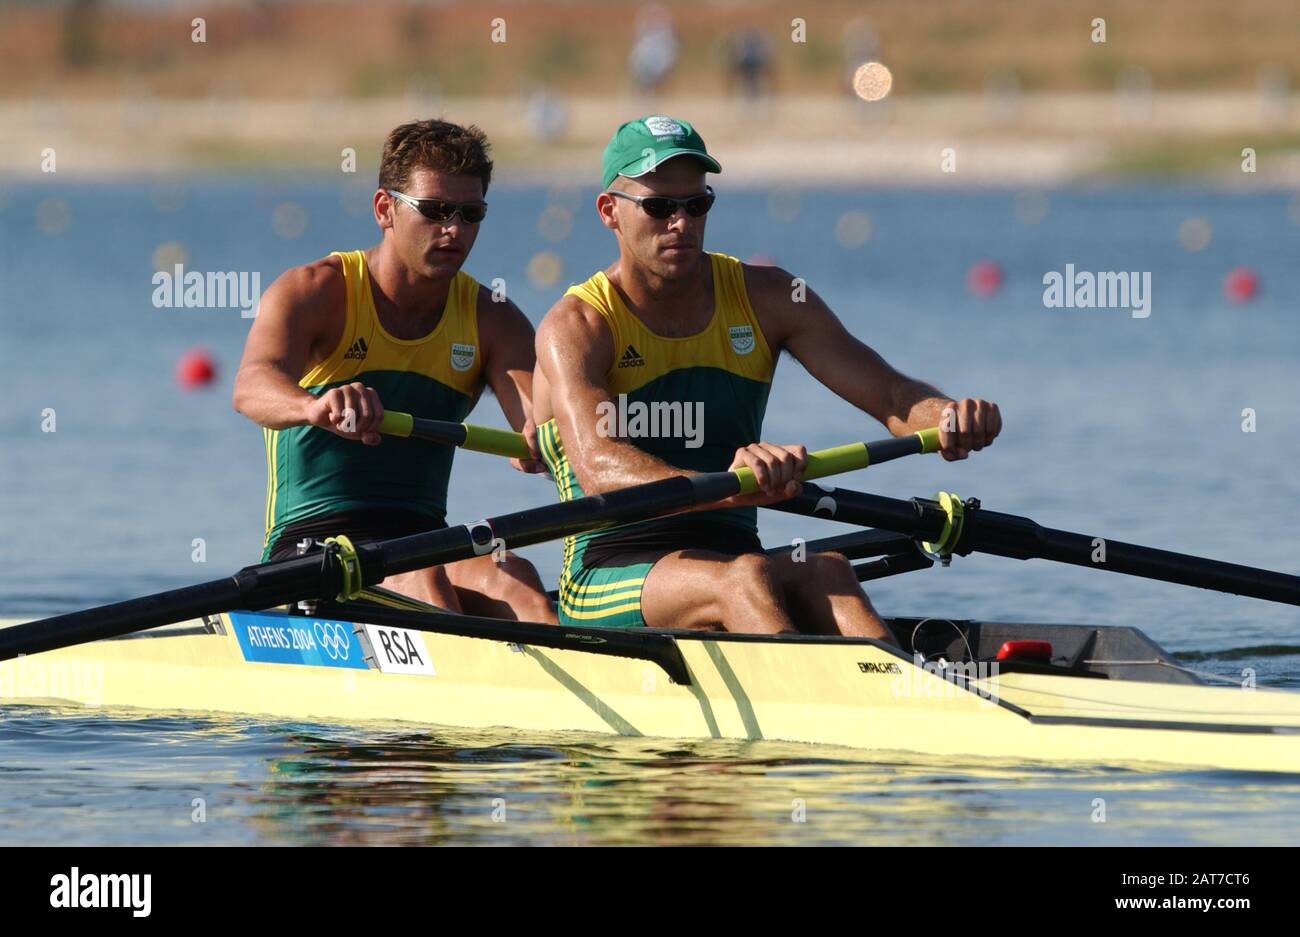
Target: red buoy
pixel 195 369
pixel 1241 284
pixel 984 278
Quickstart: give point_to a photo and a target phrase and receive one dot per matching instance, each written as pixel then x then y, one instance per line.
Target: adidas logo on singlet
pixel 358 350
pixel 631 358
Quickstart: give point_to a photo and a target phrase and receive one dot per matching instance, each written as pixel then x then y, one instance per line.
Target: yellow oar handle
pixel 856 455
pixel 395 423
pixel 465 435
pixel 503 442
pixel 495 441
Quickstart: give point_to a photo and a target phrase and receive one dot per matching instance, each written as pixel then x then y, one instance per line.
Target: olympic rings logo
pixel 334 639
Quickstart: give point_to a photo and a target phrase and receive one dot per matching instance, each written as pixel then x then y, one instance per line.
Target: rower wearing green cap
pixel 690 339
pixel 640 146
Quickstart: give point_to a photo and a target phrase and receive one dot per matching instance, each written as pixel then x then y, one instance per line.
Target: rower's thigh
pixel 689 589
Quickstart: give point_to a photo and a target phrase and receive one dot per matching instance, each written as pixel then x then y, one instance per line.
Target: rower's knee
pixel 514 566
pixel 430 584
pixel 748 571
pixel 494 572
pixel 519 584
pixel 829 572
pixel 834 564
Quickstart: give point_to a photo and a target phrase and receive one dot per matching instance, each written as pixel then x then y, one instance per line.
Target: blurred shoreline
pixel 996 93
pixel 1019 139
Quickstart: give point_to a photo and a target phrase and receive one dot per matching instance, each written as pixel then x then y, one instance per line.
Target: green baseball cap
pixel 641 145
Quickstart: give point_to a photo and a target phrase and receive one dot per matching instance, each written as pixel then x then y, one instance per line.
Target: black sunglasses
pixel 441 210
pixel 662 207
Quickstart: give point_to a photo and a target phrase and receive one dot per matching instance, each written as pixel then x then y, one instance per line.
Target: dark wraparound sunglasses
pixel 441 210
pixel 663 207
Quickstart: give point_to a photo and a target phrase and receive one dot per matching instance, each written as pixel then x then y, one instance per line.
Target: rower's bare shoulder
pixel 573 330
pixel 775 294
pixel 573 317
pixel 320 281
pixel 315 290
pixel 304 308
pixel 504 332
pixel 770 285
pixel 499 314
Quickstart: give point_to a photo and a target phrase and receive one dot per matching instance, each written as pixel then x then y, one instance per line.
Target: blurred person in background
pixel 654 49
pixel 749 64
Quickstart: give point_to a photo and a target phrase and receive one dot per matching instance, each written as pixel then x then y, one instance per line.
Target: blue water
pixel 107 779
pixel 1115 426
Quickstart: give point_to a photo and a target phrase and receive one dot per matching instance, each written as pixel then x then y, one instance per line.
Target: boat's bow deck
pixel 1117 653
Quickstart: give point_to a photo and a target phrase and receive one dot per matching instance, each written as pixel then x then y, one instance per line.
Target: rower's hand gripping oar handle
pixel 856 455
pixel 464 435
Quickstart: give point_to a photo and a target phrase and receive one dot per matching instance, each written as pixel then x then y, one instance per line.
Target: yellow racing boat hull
pixel 859 694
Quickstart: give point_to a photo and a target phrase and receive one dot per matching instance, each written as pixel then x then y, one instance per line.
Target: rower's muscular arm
pixel 506 337
pixel 299 320
pixel 574 353
pixel 810 331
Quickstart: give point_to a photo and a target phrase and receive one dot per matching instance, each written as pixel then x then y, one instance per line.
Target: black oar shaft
pixel 253 587
pixel 287 581
pixel 1022 538
pixel 921 520
pixel 523 528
